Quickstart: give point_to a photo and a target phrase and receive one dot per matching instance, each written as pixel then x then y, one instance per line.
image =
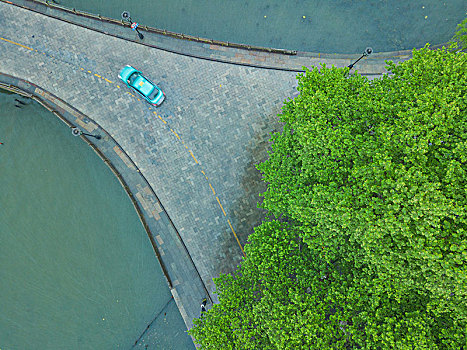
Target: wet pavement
pixel 196 153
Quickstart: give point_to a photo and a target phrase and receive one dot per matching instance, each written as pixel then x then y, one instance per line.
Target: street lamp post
pixel 134 25
pixel 368 51
pixel 78 132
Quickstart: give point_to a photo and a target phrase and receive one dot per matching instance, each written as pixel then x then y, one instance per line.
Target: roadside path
pixel 197 152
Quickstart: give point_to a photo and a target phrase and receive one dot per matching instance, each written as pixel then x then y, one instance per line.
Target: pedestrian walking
pixel 203 305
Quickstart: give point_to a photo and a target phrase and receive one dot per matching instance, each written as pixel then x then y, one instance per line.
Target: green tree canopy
pixel 460 37
pixel 366 245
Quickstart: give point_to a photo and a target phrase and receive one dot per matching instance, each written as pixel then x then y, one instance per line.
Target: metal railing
pixel 164 32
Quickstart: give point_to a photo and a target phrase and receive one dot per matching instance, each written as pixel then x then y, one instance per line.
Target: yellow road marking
pixel 97 75
pixel 107 80
pixel 212 188
pixel 214 192
pixel 193 156
pixel 89 72
pixel 176 135
pixel 12 42
pixel 236 237
pixel 118 86
pixel 82 68
pixel 218 201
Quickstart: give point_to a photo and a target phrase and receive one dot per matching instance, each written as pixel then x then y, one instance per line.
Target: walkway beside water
pixel 190 164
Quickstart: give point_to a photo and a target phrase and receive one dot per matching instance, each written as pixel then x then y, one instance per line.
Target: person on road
pixel 203 305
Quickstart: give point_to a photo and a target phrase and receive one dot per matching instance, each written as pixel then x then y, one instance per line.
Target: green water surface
pixel 77 268
pixel 328 26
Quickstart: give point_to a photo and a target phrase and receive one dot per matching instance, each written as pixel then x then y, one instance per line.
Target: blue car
pixel 135 80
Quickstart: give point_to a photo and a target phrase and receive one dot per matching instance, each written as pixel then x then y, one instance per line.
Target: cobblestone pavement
pixel 197 151
pixel 211 50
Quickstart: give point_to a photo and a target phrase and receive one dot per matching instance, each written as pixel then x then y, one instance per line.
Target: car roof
pixel 143 85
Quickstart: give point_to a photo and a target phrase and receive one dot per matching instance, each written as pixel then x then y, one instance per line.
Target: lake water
pixel 77 268
pixel 328 26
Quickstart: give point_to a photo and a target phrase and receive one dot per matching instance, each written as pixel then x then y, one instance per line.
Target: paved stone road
pixel 197 151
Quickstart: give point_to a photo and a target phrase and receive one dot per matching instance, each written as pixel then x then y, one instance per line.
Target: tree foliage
pixel 366 245
pixel 460 37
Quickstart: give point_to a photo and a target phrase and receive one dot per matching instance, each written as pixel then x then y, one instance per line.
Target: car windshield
pixel 132 77
pixel 153 94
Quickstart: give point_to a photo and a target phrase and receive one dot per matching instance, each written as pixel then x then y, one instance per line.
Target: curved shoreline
pixel 52 107
pixel 213 50
pixel 125 170
pixel 186 37
pixel 183 276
